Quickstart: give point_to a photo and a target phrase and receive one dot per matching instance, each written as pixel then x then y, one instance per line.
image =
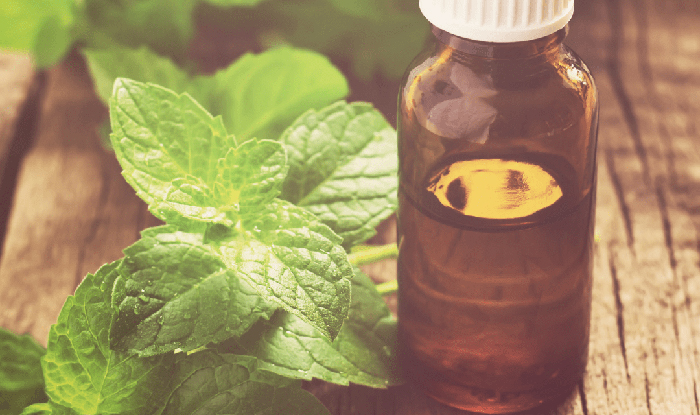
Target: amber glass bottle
pixel 497 165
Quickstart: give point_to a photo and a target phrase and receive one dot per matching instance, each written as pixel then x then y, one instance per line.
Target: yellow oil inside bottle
pixel 495 188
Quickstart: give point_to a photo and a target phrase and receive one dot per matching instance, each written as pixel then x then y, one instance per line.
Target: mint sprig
pixel 241 294
pixel 184 164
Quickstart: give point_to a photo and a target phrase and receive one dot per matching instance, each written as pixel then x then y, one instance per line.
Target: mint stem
pixel 373 254
pixel 388 287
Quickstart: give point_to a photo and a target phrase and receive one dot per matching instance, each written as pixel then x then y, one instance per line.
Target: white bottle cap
pixel 498 20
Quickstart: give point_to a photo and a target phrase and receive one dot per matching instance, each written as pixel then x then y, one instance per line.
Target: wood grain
pixel 651 366
pixel 72 210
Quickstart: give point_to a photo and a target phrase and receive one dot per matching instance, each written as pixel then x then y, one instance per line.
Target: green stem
pixel 373 254
pixel 370 254
pixel 388 287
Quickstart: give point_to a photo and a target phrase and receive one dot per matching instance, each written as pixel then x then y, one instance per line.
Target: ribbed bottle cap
pixel 498 20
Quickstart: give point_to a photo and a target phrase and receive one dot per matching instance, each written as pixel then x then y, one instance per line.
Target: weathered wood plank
pixel 651 366
pixel 72 210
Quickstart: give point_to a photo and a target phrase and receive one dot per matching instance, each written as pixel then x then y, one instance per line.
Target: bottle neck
pixel 547 45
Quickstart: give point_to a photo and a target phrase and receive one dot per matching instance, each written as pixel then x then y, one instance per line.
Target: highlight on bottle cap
pixel 498 20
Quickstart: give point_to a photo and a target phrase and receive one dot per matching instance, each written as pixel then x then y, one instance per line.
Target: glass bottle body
pixel 497 177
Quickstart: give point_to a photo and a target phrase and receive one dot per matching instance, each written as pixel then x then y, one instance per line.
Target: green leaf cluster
pixel 248 288
pixel 341 158
pixel 258 95
pixel 48 28
pixel 222 198
pixel 165 26
pixel 82 372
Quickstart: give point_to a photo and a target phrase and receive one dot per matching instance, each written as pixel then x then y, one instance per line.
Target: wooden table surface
pixel 65 210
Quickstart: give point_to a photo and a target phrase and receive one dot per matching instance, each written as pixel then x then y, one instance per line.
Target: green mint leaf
pixel 21 380
pixel 250 176
pixel 40 26
pixel 363 353
pixel 151 138
pixel 212 383
pixel 181 160
pixel 47 408
pixel 180 291
pixel 143 65
pixel 164 25
pixel 173 292
pixel 80 370
pixel 260 95
pixel 343 168
pixel 20 366
pixel 295 260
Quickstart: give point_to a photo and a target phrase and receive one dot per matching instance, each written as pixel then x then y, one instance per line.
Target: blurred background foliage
pixel 371 41
pixel 376 37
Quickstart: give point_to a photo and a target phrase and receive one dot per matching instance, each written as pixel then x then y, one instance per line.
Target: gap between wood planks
pixel 20 141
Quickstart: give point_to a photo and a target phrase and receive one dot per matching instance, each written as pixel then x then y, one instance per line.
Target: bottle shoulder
pixel 455 95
